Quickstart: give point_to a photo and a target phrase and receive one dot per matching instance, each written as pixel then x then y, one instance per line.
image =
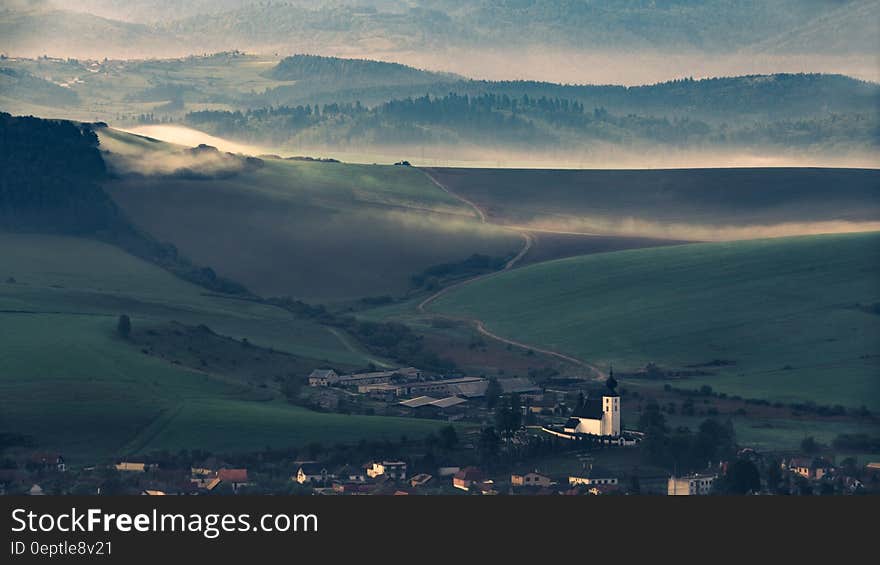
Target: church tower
pixel 611 408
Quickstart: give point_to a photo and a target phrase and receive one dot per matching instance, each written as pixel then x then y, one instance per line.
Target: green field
pixel 319 232
pixel 783 310
pixel 84 277
pixel 71 383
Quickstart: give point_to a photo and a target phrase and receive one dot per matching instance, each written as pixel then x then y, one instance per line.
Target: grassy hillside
pixel 784 312
pixel 52 274
pixel 312 230
pixel 694 204
pixel 69 381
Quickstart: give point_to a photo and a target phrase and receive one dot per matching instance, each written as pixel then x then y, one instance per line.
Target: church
pixel 599 416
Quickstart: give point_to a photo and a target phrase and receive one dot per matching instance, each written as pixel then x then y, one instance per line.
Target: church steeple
pixel 611 382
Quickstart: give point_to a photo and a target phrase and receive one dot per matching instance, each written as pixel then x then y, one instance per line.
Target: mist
pixel 138 156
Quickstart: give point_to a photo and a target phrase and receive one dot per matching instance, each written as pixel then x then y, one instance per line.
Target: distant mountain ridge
pixel 784 26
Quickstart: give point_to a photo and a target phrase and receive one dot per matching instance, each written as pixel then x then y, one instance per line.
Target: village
pixel 531 440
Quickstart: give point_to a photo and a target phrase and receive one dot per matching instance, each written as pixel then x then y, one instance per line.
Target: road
pixel 528 242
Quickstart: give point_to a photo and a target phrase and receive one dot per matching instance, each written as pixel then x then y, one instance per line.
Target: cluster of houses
pixel 389 476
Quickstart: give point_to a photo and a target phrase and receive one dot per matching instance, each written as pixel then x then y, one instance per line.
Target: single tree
pixel 493 393
pixel 742 477
pixel 448 437
pixel 123 326
pixel 809 445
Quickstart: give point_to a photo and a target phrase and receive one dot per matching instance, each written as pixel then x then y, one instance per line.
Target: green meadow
pixel 783 312
pixel 71 383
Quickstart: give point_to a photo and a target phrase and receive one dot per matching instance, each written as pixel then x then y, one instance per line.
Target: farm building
pixel 461 386
pixel 430 407
pixel 323 377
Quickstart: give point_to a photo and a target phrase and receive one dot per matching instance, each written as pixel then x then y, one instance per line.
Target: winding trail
pixel 479 325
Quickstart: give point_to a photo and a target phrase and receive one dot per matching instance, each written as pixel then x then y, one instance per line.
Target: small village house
pixel 467 478
pixel 236 478
pixel 323 377
pixel 532 479
pixel 133 467
pixel 691 485
pixel 420 479
pixel 593 476
pixel 810 468
pixel 312 473
pixel 389 469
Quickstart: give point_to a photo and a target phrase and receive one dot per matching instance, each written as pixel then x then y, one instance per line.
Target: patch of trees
pixel 392 340
pixel 680 449
pixel 315 68
pixel 477 264
pixel 808 407
pixel 50 172
pixel 50 182
pixel 857 442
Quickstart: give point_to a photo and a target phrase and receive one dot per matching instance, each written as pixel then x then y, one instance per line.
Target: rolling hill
pixel 316 231
pixel 788 319
pixel 64 369
pixel 690 204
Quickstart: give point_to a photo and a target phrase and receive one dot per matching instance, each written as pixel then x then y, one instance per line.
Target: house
pixel 323 377
pixel 447 471
pixel 312 473
pixel 810 468
pixel 352 474
pixel 466 478
pixel 236 478
pixel 47 461
pixel 696 484
pixel 203 478
pixel 131 467
pixel 388 469
pixel 593 476
pixel 600 490
pixel 546 404
pixel 420 479
pixel 532 479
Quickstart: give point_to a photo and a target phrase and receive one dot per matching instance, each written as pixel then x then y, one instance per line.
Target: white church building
pixel 596 416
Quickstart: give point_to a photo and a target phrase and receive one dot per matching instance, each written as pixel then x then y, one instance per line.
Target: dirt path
pixel 441 186
pixel 528 242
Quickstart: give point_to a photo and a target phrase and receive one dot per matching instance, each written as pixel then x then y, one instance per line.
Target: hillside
pixel 695 204
pixel 315 231
pixel 781 319
pixel 62 364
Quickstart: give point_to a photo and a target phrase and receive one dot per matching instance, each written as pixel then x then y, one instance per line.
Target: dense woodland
pixel 49 175
pixel 50 182
pixel 504 120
